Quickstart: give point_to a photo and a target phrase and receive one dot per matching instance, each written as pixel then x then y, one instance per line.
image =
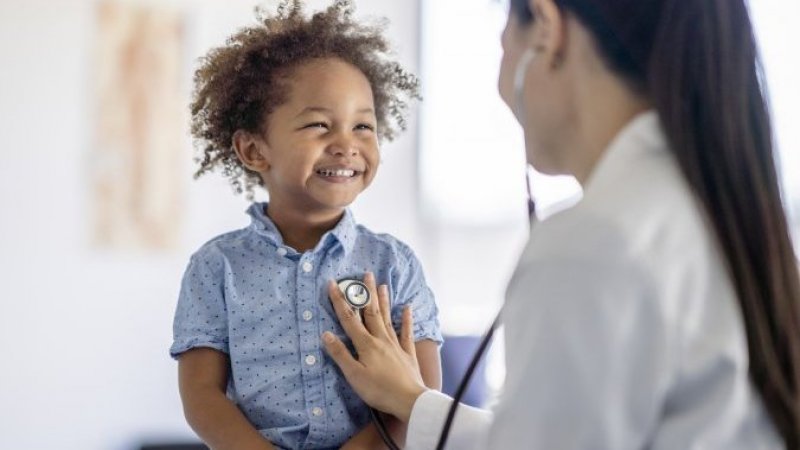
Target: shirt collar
pixel 344 232
pixel 642 136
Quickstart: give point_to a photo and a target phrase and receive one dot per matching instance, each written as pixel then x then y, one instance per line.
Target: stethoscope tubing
pixel 487 337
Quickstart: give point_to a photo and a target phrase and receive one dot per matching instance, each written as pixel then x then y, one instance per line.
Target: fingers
pixel 407 333
pixel 373 318
pixel 384 301
pixel 340 354
pixel 348 318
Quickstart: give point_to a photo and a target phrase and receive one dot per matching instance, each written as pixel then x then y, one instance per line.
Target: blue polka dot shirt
pixel 265 305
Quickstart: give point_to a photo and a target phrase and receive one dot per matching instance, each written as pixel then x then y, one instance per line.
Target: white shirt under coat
pixel 622 327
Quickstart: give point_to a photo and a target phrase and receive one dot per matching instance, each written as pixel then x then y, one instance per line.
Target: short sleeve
pixel 201 313
pixel 412 290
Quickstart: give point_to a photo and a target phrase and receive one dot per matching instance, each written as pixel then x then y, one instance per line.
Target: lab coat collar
pixel 642 136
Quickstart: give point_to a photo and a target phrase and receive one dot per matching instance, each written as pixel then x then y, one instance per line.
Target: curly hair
pixel 240 83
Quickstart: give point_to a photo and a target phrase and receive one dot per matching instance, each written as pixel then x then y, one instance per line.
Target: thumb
pixel 339 353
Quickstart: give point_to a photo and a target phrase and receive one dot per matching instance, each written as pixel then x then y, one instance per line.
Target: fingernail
pixel 327 337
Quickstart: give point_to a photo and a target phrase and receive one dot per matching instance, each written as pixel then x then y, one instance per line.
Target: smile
pixel 344 173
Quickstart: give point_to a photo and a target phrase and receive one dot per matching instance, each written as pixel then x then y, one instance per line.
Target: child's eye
pixel 317 125
pixel 365 126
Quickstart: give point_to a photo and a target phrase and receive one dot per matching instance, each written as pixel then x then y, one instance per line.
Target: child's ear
pixel 249 149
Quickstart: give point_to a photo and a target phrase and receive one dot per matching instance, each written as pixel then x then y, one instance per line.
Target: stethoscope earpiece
pixel 519 83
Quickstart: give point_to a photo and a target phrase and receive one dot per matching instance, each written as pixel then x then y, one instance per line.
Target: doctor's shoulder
pixel 575 233
pixel 645 235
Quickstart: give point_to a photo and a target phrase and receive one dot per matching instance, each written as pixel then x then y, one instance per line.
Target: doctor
pixel 662 310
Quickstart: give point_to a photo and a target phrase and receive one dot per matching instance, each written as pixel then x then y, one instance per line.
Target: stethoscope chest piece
pixel 355 292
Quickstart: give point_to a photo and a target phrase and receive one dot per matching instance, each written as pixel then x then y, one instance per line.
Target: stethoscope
pixel 484 345
pixel 358 297
pixel 355 293
pixel 522 67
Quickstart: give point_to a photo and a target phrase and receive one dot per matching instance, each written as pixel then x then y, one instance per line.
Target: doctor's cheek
pixel 504 82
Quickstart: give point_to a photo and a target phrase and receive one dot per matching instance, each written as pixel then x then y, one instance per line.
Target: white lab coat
pixel 622 328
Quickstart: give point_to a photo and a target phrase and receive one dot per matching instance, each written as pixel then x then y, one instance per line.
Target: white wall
pixel 84 333
pixel 778 36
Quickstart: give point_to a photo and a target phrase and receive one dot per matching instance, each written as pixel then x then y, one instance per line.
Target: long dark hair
pixel 697 61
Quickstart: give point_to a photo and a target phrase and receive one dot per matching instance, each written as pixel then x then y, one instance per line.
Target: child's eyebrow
pixel 323 109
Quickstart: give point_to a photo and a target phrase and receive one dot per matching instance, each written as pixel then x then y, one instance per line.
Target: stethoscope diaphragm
pixel 355 292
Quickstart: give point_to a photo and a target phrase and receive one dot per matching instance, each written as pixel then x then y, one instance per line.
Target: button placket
pixel 307 299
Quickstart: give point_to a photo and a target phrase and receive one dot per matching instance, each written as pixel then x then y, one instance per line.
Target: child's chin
pixel 339 203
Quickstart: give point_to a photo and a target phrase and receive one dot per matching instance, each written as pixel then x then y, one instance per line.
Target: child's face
pixel 321 146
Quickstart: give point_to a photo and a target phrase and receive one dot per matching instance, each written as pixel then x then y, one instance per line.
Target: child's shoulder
pixel 384 241
pixel 222 244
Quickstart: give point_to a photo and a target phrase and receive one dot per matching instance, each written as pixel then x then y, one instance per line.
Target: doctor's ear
pixel 250 150
pixel 548 35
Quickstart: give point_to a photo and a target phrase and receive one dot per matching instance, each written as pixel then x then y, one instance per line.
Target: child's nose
pixel 343 147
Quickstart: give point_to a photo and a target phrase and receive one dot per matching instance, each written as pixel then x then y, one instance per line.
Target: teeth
pixel 337 173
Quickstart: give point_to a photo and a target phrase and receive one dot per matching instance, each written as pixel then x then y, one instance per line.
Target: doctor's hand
pixel 386 374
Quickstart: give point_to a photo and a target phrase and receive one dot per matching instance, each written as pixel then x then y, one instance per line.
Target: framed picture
pixel 139 127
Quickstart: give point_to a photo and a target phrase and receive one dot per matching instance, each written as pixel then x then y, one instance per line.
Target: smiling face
pixel 320 148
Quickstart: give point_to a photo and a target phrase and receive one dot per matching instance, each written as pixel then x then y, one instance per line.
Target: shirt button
pixel 317 411
pixel 281 251
pixel 311 360
pixel 307 266
pixel 307 315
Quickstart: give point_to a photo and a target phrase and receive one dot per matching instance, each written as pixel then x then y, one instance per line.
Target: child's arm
pixel 430 367
pixel 203 378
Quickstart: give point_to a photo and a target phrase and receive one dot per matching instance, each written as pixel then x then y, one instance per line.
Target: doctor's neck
pixel 598 125
pixel 604 106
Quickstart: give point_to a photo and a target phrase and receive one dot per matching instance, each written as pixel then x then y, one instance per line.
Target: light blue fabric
pixel 265 305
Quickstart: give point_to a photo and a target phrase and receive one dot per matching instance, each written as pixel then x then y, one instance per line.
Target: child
pixel 296 105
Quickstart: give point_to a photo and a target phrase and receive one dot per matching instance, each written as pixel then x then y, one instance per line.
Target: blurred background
pixel 100 212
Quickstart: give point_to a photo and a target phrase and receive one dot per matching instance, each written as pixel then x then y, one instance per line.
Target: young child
pixel 296 105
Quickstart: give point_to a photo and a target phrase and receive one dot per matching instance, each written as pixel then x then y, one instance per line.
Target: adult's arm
pixel 431 371
pixel 469 430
